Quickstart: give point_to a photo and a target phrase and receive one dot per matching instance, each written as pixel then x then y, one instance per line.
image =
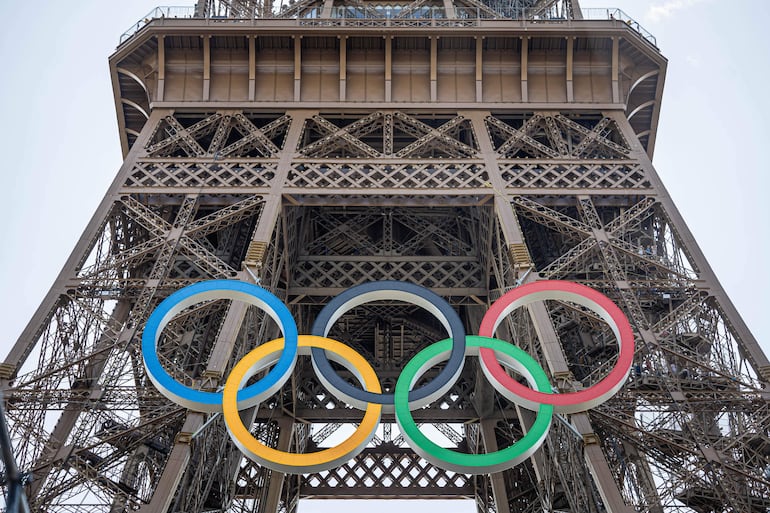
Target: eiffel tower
pixel 466 146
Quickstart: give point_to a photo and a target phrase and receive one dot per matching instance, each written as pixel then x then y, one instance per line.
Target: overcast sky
pixel 60 148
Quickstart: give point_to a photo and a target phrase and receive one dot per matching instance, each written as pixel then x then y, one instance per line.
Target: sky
pixel 60 147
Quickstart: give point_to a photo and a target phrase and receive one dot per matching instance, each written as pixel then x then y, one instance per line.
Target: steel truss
pixel 469 202
pixel 513 9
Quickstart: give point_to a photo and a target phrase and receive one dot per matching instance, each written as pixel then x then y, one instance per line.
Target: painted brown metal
pixel 468 152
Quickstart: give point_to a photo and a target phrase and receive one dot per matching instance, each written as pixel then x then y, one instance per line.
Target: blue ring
pixel 381 290
pixel 199 400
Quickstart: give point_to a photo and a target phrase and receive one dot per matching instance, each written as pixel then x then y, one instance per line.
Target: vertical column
pixel 297 67
pixel 498 479
pixel 272 208
pixel 570 59
pixel 161 67
pixel 485 408
pixel 615 71
pixel 252 67
pixel 343 66
pixel 388 67
pixel 502 202
pixel 433 66
pixel 206 67
pixel 479 68
pixel 524 64
pixel 275 485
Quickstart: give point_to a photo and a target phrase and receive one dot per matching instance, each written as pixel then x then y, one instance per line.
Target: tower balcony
pixel 430 59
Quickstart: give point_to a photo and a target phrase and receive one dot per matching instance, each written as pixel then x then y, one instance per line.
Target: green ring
pixel 449 459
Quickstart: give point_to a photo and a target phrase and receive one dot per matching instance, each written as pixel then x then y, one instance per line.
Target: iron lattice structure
pixel 441 143
pixel 512 9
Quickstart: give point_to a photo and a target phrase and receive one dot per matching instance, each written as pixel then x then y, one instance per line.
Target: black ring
pixel 390 290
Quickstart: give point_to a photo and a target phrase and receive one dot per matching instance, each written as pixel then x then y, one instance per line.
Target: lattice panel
pixel 183 173
pixel 388 134
pixel 384 23
pixel 434 175
pixel 209 245
pixel 315 404
pixel 583 176
pixel 218 135
pixel 428 274
pixel 680 409
pixel 314 396
pixel 556 136
pixel 650 256
pixel 384 471
pixel 706 467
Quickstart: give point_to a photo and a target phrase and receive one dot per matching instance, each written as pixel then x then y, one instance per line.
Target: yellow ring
pixel 293 463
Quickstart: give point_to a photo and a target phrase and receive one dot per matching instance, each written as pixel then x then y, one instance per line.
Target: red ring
pixel 555 289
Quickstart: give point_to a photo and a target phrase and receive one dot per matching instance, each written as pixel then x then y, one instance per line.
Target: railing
pixel 618 14
pixel 158 12
pixel 396 16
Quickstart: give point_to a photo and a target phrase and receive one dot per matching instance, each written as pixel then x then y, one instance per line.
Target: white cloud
pixel 658 12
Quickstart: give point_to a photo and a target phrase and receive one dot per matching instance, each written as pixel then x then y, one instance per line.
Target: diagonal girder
pixel 297 8
pixel 227 216
pixel 555 135
pixel 541 7
pixel 426 229
pixel 185 137
pixel 684 309
pixel 630 218
pixel 611 262
pixel 551 218
pixel 516 140
pixel 91 468
pixel 481 7
pixel 133 255
pixel 431 135
pixel 253 137
pixel 410 8
pixel 220 135
pixel 638 253
pixel 198 254
pixel 349 134
pixel 280 124
pixel 566 263
pixel 204 259
pixel 352 230
pixel 593 136
pixel 590 138
pixel 427 134
pixel 156 225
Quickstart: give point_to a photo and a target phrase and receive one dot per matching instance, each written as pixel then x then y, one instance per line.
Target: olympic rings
pixel 491 352
pixel 568 291
pixel 293 463
pixel 503 459
pixel 393 290
pixel 199 400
